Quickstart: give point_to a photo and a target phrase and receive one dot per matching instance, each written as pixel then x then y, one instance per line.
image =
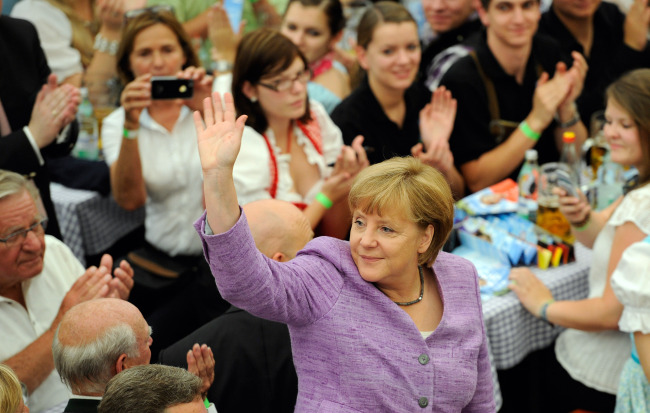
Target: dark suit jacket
pixel 23 70
pixel 254 369
pixel 81 406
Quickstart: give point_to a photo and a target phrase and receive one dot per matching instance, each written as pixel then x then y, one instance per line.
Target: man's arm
pixel 35 363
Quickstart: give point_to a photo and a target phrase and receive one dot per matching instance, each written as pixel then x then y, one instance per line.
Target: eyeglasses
pixel 282 85
pixel 131 14
pixel 18 237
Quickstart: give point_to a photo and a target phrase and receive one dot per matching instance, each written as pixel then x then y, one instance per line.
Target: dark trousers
pixel 539 384
pixel 176 307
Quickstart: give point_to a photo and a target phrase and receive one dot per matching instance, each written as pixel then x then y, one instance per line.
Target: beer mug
pixel 549 216
pixel 599 145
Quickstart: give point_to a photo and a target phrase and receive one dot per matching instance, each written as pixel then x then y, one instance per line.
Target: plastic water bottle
pixel 528 181
pixel 571 156
pixel 87 146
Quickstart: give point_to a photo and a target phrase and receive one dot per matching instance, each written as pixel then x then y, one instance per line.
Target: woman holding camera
pixel 154 164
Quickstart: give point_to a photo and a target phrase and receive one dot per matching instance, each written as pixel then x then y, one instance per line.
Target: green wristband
pixel 206 402
pixel 324 200
pixel 530 134
pixel 542 311
pixel 130 134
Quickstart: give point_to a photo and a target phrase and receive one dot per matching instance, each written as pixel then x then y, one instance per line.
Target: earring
pixel 253 99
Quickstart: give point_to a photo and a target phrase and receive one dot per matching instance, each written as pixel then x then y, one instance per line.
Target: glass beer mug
pixel 549 216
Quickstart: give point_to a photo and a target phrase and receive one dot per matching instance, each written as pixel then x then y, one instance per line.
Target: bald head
pixel 95 340
pixel 85 322
pixel 279 228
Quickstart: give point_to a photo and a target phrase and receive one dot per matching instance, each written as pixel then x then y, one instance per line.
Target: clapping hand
pixel 122 283
pixel 436 124
pixel 219 134
pixel 349 163
pixel 200 362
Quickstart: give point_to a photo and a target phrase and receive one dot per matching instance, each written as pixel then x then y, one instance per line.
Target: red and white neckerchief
pixel 321 65
pixel 312 131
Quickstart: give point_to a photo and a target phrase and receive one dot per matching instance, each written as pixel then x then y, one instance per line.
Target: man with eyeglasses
pixel 36 290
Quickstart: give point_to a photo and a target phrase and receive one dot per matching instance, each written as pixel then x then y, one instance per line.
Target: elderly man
pixel 38 289
pixel 254 355
pixel 153 389
pixel 100 338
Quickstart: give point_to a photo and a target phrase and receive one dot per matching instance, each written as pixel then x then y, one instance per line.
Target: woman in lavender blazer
pixel 384 323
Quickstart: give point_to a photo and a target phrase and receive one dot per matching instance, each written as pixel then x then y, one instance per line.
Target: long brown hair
pixel 261 53
pixel 143 21
pixel 632 93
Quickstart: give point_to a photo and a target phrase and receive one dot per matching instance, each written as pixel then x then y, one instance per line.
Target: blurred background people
pixel 388 107
pixel 291 144
pixel 510 90
pixel 34 110
pixel 584 370
pixel 154 164
pixel 316 26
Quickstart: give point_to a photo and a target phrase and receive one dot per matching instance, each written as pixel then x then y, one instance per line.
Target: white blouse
pixel 596 358
pixel 631 284
pixel 254 168
pixel 172 174
pixel 55 33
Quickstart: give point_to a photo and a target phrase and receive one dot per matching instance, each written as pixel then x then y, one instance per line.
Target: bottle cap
pixel 531 155
pixel 568 137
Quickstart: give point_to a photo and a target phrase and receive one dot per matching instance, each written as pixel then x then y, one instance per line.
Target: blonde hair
pixel 410 186
pixel 83 33
pixel 11 393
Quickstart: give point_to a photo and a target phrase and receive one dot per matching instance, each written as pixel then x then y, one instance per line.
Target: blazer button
pixel 423 359
pixel 423 402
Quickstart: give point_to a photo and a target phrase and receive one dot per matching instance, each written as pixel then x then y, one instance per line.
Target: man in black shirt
pixel 611 42
pixel 452 21
pixel 509 91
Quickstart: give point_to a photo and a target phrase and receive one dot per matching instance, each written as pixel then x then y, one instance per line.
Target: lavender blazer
pixel 353 348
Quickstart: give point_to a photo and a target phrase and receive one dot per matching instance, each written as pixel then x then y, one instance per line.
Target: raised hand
pixel 200 362
pixel 437 119
pixel 637 22
pixel 549 94
pixel 224 38
pixel 219 134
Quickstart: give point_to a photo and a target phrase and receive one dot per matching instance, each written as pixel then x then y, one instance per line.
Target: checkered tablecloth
pixel 91 223
pixel 513 332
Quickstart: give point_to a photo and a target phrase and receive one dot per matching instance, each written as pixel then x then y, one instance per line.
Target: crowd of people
pixel 297 204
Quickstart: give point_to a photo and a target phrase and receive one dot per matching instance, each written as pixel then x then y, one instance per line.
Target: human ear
pixel 482 13
pixel 427 238
pixel 249 90
pixel 361 57
pixel 120 364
